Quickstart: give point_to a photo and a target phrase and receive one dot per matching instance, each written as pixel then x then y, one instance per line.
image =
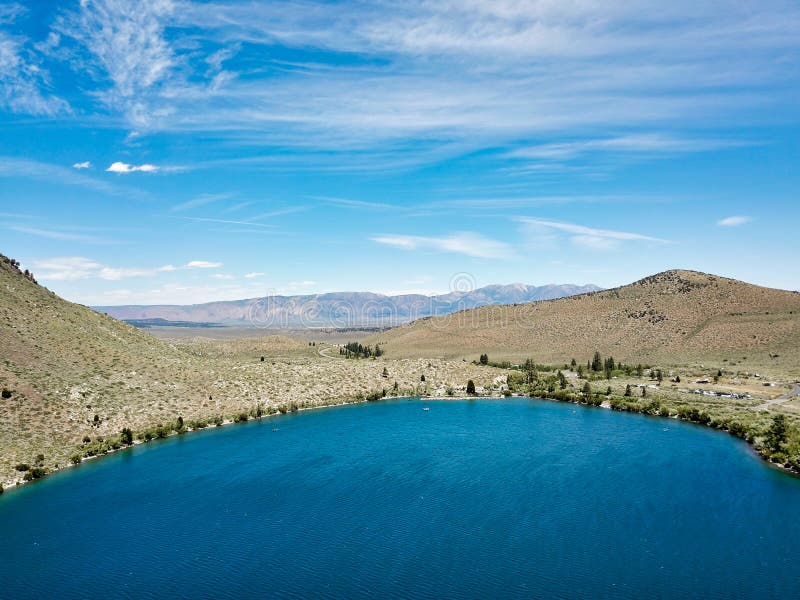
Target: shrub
pixel 778 457
pixel 241 417
pixel 6 393
pixel 75 459
pixel 776 434
pixel 471 387
pixel 22 467
pixel 35 473
pixel 126 437
pixel 737 429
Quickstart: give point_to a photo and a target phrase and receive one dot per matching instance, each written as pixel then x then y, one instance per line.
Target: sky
pixel 176 151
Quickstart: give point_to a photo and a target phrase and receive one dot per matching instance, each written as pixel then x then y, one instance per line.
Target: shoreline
pixel 338 403
pixel 138 442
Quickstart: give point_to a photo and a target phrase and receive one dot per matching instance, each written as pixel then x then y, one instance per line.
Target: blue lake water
pixel 471 499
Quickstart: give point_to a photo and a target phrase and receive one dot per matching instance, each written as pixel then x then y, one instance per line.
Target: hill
pixel 340 309
pixel 675 317
pixel 73 378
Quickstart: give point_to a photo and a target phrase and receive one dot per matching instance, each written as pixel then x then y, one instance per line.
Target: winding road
pixel 794 393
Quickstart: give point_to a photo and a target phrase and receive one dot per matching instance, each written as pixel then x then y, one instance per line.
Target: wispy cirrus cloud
pixel 428 80
pixel 82 165
pixel 641 144
pixel 201 200
pixel 470 244
pixel 581 235
pixel 62 235
pixel 126 48
pixel 24 84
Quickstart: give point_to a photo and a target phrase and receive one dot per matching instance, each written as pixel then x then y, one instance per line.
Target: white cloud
pixel 11 166
pixel 254 275
pixel 466 243
pixel 580 235
pixel 77 267
pixel 82 165
pixel 123 168
pixel 202 264
pixel 735 221
pixel 68 268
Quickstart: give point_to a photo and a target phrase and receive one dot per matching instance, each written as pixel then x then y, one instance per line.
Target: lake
pixel 470 499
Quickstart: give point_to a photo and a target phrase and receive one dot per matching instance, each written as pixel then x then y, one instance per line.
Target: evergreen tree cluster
pixel 357 350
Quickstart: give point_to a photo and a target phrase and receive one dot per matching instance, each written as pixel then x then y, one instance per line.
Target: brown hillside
pixel 62 364
pixel 675 317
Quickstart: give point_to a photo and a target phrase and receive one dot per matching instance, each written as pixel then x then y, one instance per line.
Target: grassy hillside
pixel 673 318
pixel 69 374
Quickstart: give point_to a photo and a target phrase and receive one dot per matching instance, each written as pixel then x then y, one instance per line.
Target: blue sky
pixel 168 151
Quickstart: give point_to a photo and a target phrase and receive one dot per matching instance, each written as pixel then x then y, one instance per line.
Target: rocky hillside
pixel 72 378
pixel 675 317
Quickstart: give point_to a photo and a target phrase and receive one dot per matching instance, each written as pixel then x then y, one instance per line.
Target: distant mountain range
pixel 337 309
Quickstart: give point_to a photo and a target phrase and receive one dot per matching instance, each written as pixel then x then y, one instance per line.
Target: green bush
pixel 22 467
pixel 778 457
pixel 75 459
pixel 126 437
pixel 35 473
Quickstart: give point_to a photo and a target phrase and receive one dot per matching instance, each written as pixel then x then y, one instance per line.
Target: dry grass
pixel 65 364
pixel 677 318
